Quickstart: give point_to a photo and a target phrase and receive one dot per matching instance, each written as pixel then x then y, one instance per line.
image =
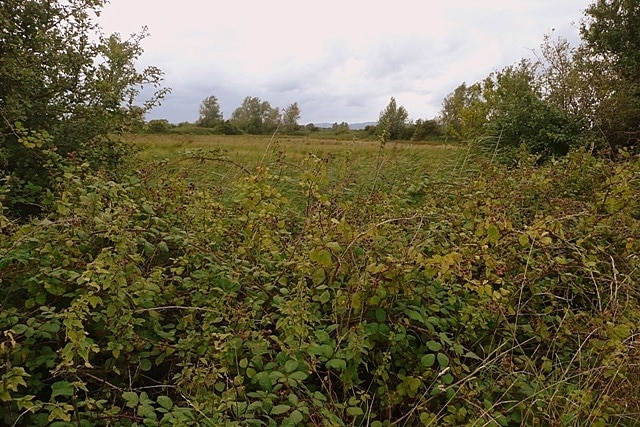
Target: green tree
pixel 159 126
pixel 340 128
pixel 518 114
pixel 290 117
pixel 255 116
pixel 463 113
pixel 65 91
pixel 425 129
pixel 393 120
pixel 610 55
pixel 210 114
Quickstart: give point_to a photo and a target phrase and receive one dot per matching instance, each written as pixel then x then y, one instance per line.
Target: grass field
pixel 218 160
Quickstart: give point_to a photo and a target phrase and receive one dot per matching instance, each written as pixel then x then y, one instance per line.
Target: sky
pixel 340 60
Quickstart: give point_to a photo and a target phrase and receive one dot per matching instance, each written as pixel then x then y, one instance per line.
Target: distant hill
pixel 352 126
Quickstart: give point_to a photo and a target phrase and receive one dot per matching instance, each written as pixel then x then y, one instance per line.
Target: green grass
pixel 212 160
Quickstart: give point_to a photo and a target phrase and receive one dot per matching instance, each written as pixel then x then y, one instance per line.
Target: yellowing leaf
pixel 321 256
pixel 523 240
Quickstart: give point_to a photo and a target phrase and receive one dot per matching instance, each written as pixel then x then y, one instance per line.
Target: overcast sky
pixel 340 60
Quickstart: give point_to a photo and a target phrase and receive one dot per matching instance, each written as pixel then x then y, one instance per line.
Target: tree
pixel 610 56
pixel 65 91
pixel 255 116
pixel 210 114
pixel 159 126
pixel 290 117
pixel 392 120
pixel 463 114
pixel 425 129
pixel 518 114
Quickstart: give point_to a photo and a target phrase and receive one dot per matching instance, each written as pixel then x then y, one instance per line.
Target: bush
pixel 501 295
pixel 65 91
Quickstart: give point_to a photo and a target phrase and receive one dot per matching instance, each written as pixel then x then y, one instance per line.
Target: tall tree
pixel 210 114
pixel 611 52
pixel 255 116
pixel 290 117
pixel 65 91
pixel 463 112
pixel 392 120
pixel 518 114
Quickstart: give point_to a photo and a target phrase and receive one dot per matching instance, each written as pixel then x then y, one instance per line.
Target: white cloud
pixel 340 60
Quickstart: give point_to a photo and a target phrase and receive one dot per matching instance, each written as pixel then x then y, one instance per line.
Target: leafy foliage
pixel 326 290
pixel 392 121
pixel 609 55
pixel 290 117
pixel 210 114
pixel 517 114
pixel 255 116
pixel 463 113
pixel 65 90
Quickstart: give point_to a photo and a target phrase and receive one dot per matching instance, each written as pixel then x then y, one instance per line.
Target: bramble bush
pixel 324 292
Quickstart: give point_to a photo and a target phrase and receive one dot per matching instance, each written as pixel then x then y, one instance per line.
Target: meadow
pixel 299 281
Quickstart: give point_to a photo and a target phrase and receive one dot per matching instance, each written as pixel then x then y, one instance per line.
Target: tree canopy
pixel 65 91
pixel 392 120
pixel 255 116
pixel 210 114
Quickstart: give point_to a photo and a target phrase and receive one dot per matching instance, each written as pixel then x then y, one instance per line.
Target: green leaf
pixel 339 364
pixel 19 328
pixel 334 246
pixel 130 398
pixel 299 375
pixel 428 419
pixel 447 378
pixel 147 411
pixel 148 209
pixel 324 350
pixel 414 315
pixel 443 360
pixel 434 346
pixel 493 233
pixel 428 360
pixel 322 335
pixel 354 411
pixel 145 365
pixel 280 409
pixel 325 297
pixel 295 418
pixel 321 256
pixel 290 366
pixel 472 355
pixel 62 388
pixel 165 402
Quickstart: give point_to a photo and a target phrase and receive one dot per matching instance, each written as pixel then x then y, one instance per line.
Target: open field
pixel 359 166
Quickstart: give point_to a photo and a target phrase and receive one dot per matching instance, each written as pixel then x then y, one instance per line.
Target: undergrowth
pixel 327 291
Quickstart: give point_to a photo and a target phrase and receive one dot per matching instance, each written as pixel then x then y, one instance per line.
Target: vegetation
pixel 328 284
pixel 197 280
pixel 210 114
pixel 571 97
pixel 393 121
pixel 255 116
pixel 66 92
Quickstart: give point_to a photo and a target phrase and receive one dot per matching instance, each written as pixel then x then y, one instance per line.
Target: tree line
pixel 254 116
pixel 258 117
